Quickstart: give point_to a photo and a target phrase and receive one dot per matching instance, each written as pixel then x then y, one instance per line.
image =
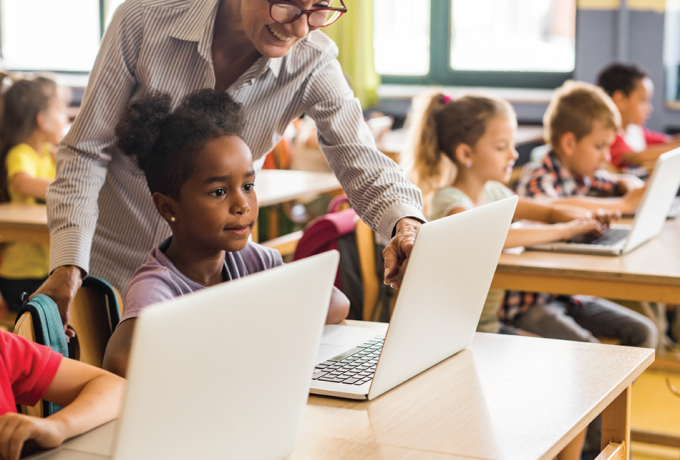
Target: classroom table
pixel 650 273
pixel 503 397
pixel 28 223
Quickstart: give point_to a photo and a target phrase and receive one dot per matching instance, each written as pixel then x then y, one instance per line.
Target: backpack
pixel 49 330
pixel 336 230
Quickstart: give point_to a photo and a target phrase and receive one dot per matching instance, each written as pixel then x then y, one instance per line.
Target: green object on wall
pixel 353 33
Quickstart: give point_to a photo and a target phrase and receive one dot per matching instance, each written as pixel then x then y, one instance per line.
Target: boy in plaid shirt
pixel 581 124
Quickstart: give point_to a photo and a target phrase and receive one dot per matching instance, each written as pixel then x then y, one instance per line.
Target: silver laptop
pixel 213 374
pixel 439 304
pixel 649 220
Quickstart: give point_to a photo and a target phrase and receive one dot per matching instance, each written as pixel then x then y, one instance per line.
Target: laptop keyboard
pixel 353 367
pixel 610 237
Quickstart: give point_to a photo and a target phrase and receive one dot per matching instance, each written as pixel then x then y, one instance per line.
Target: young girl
pixel 30 372
pixel 32 124
pixel 200 173
pixel 462 152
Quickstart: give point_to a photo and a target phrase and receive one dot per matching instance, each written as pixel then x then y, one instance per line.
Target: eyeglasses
pixel 285 12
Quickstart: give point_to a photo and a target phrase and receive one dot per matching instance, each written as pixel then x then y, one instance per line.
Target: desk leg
pixel 616 423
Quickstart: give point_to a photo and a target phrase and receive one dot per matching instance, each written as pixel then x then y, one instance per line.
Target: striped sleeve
pixel 83 158
pixel 375 185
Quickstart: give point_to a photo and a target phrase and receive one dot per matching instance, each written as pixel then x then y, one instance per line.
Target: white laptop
pixel 649 218
pixel 213 374
pixel 439 304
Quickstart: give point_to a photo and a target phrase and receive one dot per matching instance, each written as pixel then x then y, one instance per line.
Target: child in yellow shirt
pixel 33 120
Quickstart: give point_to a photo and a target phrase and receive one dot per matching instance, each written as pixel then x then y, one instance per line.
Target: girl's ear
pixel 166 206
pixel 463 154
pixel 40 120
pixel 568 144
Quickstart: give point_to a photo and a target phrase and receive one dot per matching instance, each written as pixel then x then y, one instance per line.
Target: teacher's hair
pixel 437 125
pixel 167 142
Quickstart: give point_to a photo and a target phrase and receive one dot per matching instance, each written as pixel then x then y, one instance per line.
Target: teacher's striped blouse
pixel 100 213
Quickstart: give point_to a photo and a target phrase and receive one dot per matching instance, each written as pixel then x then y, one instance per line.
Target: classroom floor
pixel 655 408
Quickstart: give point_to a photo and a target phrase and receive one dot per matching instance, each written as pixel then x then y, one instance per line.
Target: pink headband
pixel 446 98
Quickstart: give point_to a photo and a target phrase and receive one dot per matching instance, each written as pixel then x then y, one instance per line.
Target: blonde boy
pixel 580 125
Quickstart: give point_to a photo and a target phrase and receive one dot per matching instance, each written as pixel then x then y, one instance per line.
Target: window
pixel 63 36
pixel 401 37
pixel 512 43
pixel 49 35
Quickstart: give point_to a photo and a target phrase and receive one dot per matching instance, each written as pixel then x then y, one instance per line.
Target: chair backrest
pixel 24 328
pixel 95 312
pixel 39 321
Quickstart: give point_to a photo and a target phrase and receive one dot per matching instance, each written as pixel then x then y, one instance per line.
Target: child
pixel 32 124
pixel 200 173
pixel 30 372
pixel 580 124
pixel 632 90
pixel 475 134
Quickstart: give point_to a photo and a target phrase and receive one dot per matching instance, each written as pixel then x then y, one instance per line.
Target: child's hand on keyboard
pixel 581 227
pixel 606 216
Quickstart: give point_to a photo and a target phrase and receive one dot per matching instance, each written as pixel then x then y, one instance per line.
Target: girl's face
pixel 53 120
pixel 494 154
pixel 218 205
pixel 273 39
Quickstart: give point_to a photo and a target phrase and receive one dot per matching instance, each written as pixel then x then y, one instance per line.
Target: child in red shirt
pixel 632 90
pixel 30 372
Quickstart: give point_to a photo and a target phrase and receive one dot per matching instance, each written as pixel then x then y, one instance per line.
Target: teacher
pixel 271 57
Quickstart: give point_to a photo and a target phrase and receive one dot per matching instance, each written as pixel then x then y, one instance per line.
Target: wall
pixel 600 39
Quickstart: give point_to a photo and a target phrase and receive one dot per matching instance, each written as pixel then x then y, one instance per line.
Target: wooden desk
pixel 649 273
pixel 275 186
pixel 502 398
pixel 23 223
pixel 28 224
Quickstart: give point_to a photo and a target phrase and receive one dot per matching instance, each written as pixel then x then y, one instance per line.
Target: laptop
pixel 648 222
pixel 439 305
pixel 214 373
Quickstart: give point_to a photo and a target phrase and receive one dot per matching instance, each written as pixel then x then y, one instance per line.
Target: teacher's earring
pixel 468 164
pixel 172 219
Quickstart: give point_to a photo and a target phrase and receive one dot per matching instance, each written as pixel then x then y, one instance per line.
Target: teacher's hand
pixel 399 249
pixel 62 286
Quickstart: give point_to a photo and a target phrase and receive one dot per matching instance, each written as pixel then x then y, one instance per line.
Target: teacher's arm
pixel 84 155
pixel 376 186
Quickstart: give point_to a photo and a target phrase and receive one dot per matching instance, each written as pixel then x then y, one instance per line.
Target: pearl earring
pixel 172 219
pixel 468 164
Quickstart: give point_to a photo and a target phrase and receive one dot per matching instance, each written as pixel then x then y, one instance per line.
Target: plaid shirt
pixel 548 178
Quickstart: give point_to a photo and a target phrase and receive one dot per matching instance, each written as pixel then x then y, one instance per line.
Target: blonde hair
pixel 437 126
pixel 575 108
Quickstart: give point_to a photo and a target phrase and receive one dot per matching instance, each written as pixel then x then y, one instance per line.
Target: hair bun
pixel 220 107
pixel 141 122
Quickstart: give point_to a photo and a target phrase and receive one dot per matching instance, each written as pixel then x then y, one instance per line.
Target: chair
pixel 24 328
pixel 95 312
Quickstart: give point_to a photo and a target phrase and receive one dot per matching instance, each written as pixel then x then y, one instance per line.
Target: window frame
pixel 441 73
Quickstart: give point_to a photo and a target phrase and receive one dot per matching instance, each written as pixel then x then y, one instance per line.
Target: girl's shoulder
pixel 446 199
pixel 496 191
pixel 258 258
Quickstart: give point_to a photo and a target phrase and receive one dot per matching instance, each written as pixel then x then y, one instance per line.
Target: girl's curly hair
pixel 166 142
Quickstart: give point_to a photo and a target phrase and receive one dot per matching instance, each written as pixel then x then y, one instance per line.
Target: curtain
pixel 353 33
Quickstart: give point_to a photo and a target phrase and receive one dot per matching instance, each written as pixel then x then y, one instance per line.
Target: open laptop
pixel 213 374
pixel 439 304
pixel 649 218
